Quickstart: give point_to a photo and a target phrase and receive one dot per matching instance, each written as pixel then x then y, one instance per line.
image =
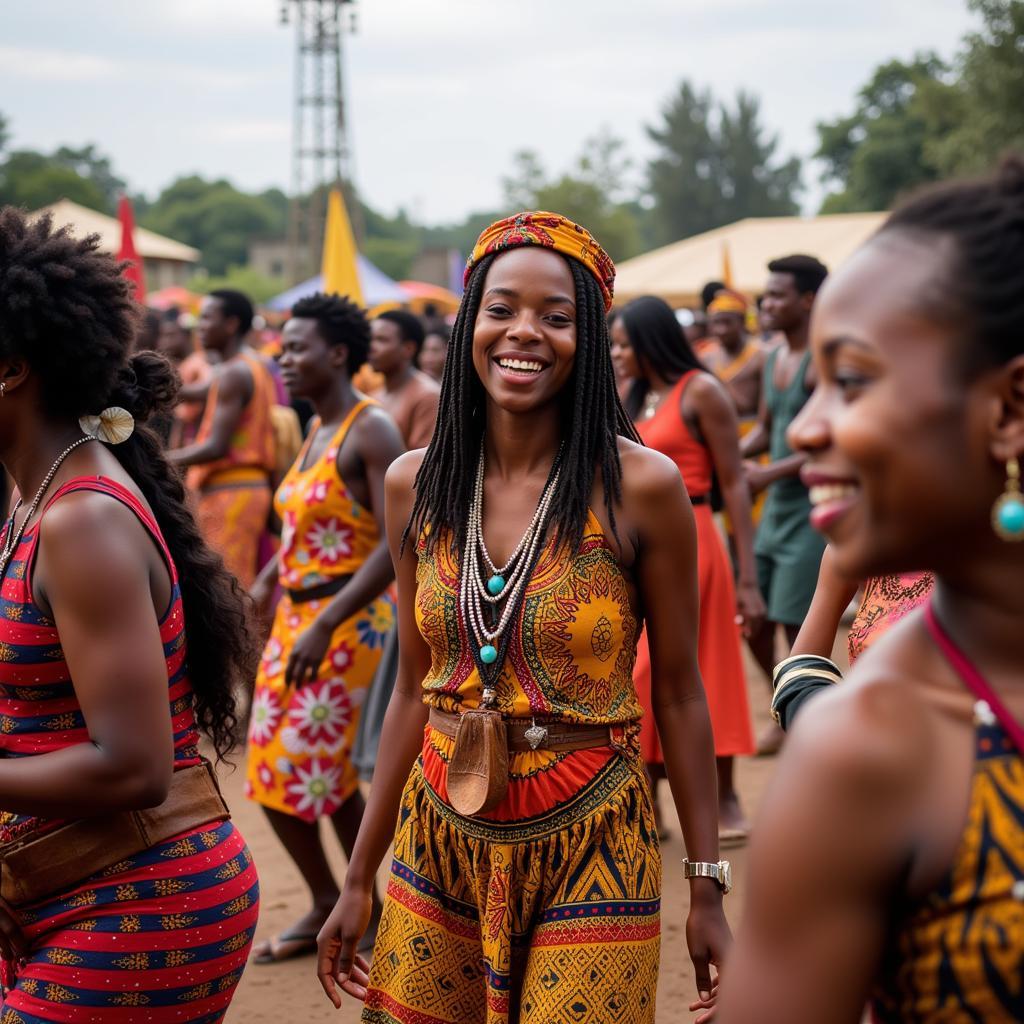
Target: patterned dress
pixel 301 738
pixel 957 956
pixel 548 907
pixel 886 600
pixel 163 936
pixel 233 493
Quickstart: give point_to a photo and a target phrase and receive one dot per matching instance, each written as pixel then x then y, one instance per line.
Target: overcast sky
pixel 441 94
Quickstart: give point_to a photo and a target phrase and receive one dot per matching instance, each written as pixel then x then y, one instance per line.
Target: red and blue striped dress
pixel 164 935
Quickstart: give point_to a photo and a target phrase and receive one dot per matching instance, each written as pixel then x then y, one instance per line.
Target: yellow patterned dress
pixel 547 908
pixel 300 738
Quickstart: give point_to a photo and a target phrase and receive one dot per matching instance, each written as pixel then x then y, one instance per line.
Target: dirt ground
pixel 290 991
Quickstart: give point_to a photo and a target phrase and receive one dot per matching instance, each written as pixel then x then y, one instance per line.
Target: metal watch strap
pixel 719 872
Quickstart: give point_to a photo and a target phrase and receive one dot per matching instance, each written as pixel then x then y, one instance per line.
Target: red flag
pixel 133 271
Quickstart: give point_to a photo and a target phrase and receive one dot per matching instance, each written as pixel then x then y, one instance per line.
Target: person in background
pixel 433 354
pixel 331 622
pixel 735 358
pixel 788 549
pixel 148 332
pixel 683 412
pixel 888 866
pixel 128 893
pixel 232 458
pixel 809 668
pixel 409 395
pixel 177 343
pixel 696 331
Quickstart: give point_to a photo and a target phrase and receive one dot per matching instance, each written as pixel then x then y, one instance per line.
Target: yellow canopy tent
pixel 677 272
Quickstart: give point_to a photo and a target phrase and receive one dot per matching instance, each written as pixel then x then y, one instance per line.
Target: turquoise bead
pixel 495 585
pixel 488 654
pixel 1011 517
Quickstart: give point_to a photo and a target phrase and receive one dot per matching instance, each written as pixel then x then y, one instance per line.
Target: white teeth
pixel 821 493
pixel 520 364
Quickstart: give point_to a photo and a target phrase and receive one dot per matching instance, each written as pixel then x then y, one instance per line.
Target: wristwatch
pixel 720 872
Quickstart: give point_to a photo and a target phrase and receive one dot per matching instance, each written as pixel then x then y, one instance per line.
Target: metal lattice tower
pixel 321 156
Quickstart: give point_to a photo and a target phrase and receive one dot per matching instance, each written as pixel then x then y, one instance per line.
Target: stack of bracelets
pixel 796 680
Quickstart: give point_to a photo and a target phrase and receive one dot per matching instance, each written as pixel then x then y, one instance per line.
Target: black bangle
pixel 797 679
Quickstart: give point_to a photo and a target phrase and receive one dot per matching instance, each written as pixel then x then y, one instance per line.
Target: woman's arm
pixel 94 568
pixel 719 428
pixel 400 743
pixel 656 505
pixel 833 837
pixel 379 444
pixel 832 596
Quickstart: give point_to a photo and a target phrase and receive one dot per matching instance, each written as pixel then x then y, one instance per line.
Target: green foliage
pixel 258 287
pixel 715 165
pixel 986 104
pixel 881 149
pixel 586 194
pixel 216 218
pixel 32 180
pixel 394 256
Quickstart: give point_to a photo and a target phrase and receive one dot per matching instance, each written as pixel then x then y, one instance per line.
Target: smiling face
pixel 309 365
pixel 524 336
pixel 627 366
pixel 898 440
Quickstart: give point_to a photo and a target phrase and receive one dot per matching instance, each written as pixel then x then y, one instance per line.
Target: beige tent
pixel 166 261
pixel 677 272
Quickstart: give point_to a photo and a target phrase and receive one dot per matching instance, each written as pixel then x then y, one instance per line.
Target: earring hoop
pixel 1008 511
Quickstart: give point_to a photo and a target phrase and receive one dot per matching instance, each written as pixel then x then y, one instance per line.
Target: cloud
pixel 53 65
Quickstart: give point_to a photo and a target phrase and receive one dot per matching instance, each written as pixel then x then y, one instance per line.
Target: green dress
pixel 787 547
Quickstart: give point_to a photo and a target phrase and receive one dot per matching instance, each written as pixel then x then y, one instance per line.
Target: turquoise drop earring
pixel 1008 511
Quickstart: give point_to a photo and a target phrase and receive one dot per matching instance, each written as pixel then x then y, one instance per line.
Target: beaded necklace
pixel 481 594
pixel 13 538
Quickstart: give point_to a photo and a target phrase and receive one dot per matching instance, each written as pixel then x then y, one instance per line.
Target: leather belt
pixel 34 867
pixel 526 734
pixel 326 589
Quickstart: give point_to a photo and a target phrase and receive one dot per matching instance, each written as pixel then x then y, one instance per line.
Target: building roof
pixel 148 244
pixel 677 272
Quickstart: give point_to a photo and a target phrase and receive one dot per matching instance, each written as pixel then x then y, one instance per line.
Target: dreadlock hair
pixel 66 310
pixel 592 420
pixel 659 343
pixel 983 291
pixel 339 321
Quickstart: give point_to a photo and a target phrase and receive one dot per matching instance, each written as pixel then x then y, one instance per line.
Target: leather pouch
pixel 478 770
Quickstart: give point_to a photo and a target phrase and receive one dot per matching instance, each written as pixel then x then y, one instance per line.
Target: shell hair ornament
pixel 114 425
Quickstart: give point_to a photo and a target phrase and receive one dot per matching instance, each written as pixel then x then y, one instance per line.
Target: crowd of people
pixel 521 554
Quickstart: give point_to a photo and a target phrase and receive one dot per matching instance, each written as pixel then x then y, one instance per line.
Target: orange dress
pixel 301 738
pixel 718 638
pixel 233 493
pixel 886 600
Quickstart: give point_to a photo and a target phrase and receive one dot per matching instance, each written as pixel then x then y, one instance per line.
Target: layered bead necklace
pixel 484 586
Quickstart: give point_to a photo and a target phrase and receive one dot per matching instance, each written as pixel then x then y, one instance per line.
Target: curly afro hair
pixel 67 311
pixel 339 322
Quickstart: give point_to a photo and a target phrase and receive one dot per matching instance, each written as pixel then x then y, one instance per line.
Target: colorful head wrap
pixel 728 301
pixel 551 231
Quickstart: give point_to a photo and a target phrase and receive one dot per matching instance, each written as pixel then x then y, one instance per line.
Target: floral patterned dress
pixel 300 738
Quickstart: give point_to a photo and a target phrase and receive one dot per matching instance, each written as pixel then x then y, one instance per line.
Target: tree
pixel 95 168
pixel 881 149
pixel 586 193
pixel 244 279
pixel 986 103
pixel 4 133
pixel 216 218
pixel 715 165
pixel 32 180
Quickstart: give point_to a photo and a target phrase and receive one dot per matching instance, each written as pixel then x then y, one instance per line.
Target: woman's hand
pixel 338 963
pixel 13 944
pixel 750 607
pixel 708 938
pixel 308 653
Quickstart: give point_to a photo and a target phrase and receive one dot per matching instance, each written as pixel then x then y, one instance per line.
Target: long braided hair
pixel 592 421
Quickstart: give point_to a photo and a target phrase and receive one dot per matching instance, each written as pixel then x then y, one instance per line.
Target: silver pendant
pixel 535 735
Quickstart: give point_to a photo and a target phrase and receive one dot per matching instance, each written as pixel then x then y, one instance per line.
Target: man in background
pixel 787 547
pixel 409 395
